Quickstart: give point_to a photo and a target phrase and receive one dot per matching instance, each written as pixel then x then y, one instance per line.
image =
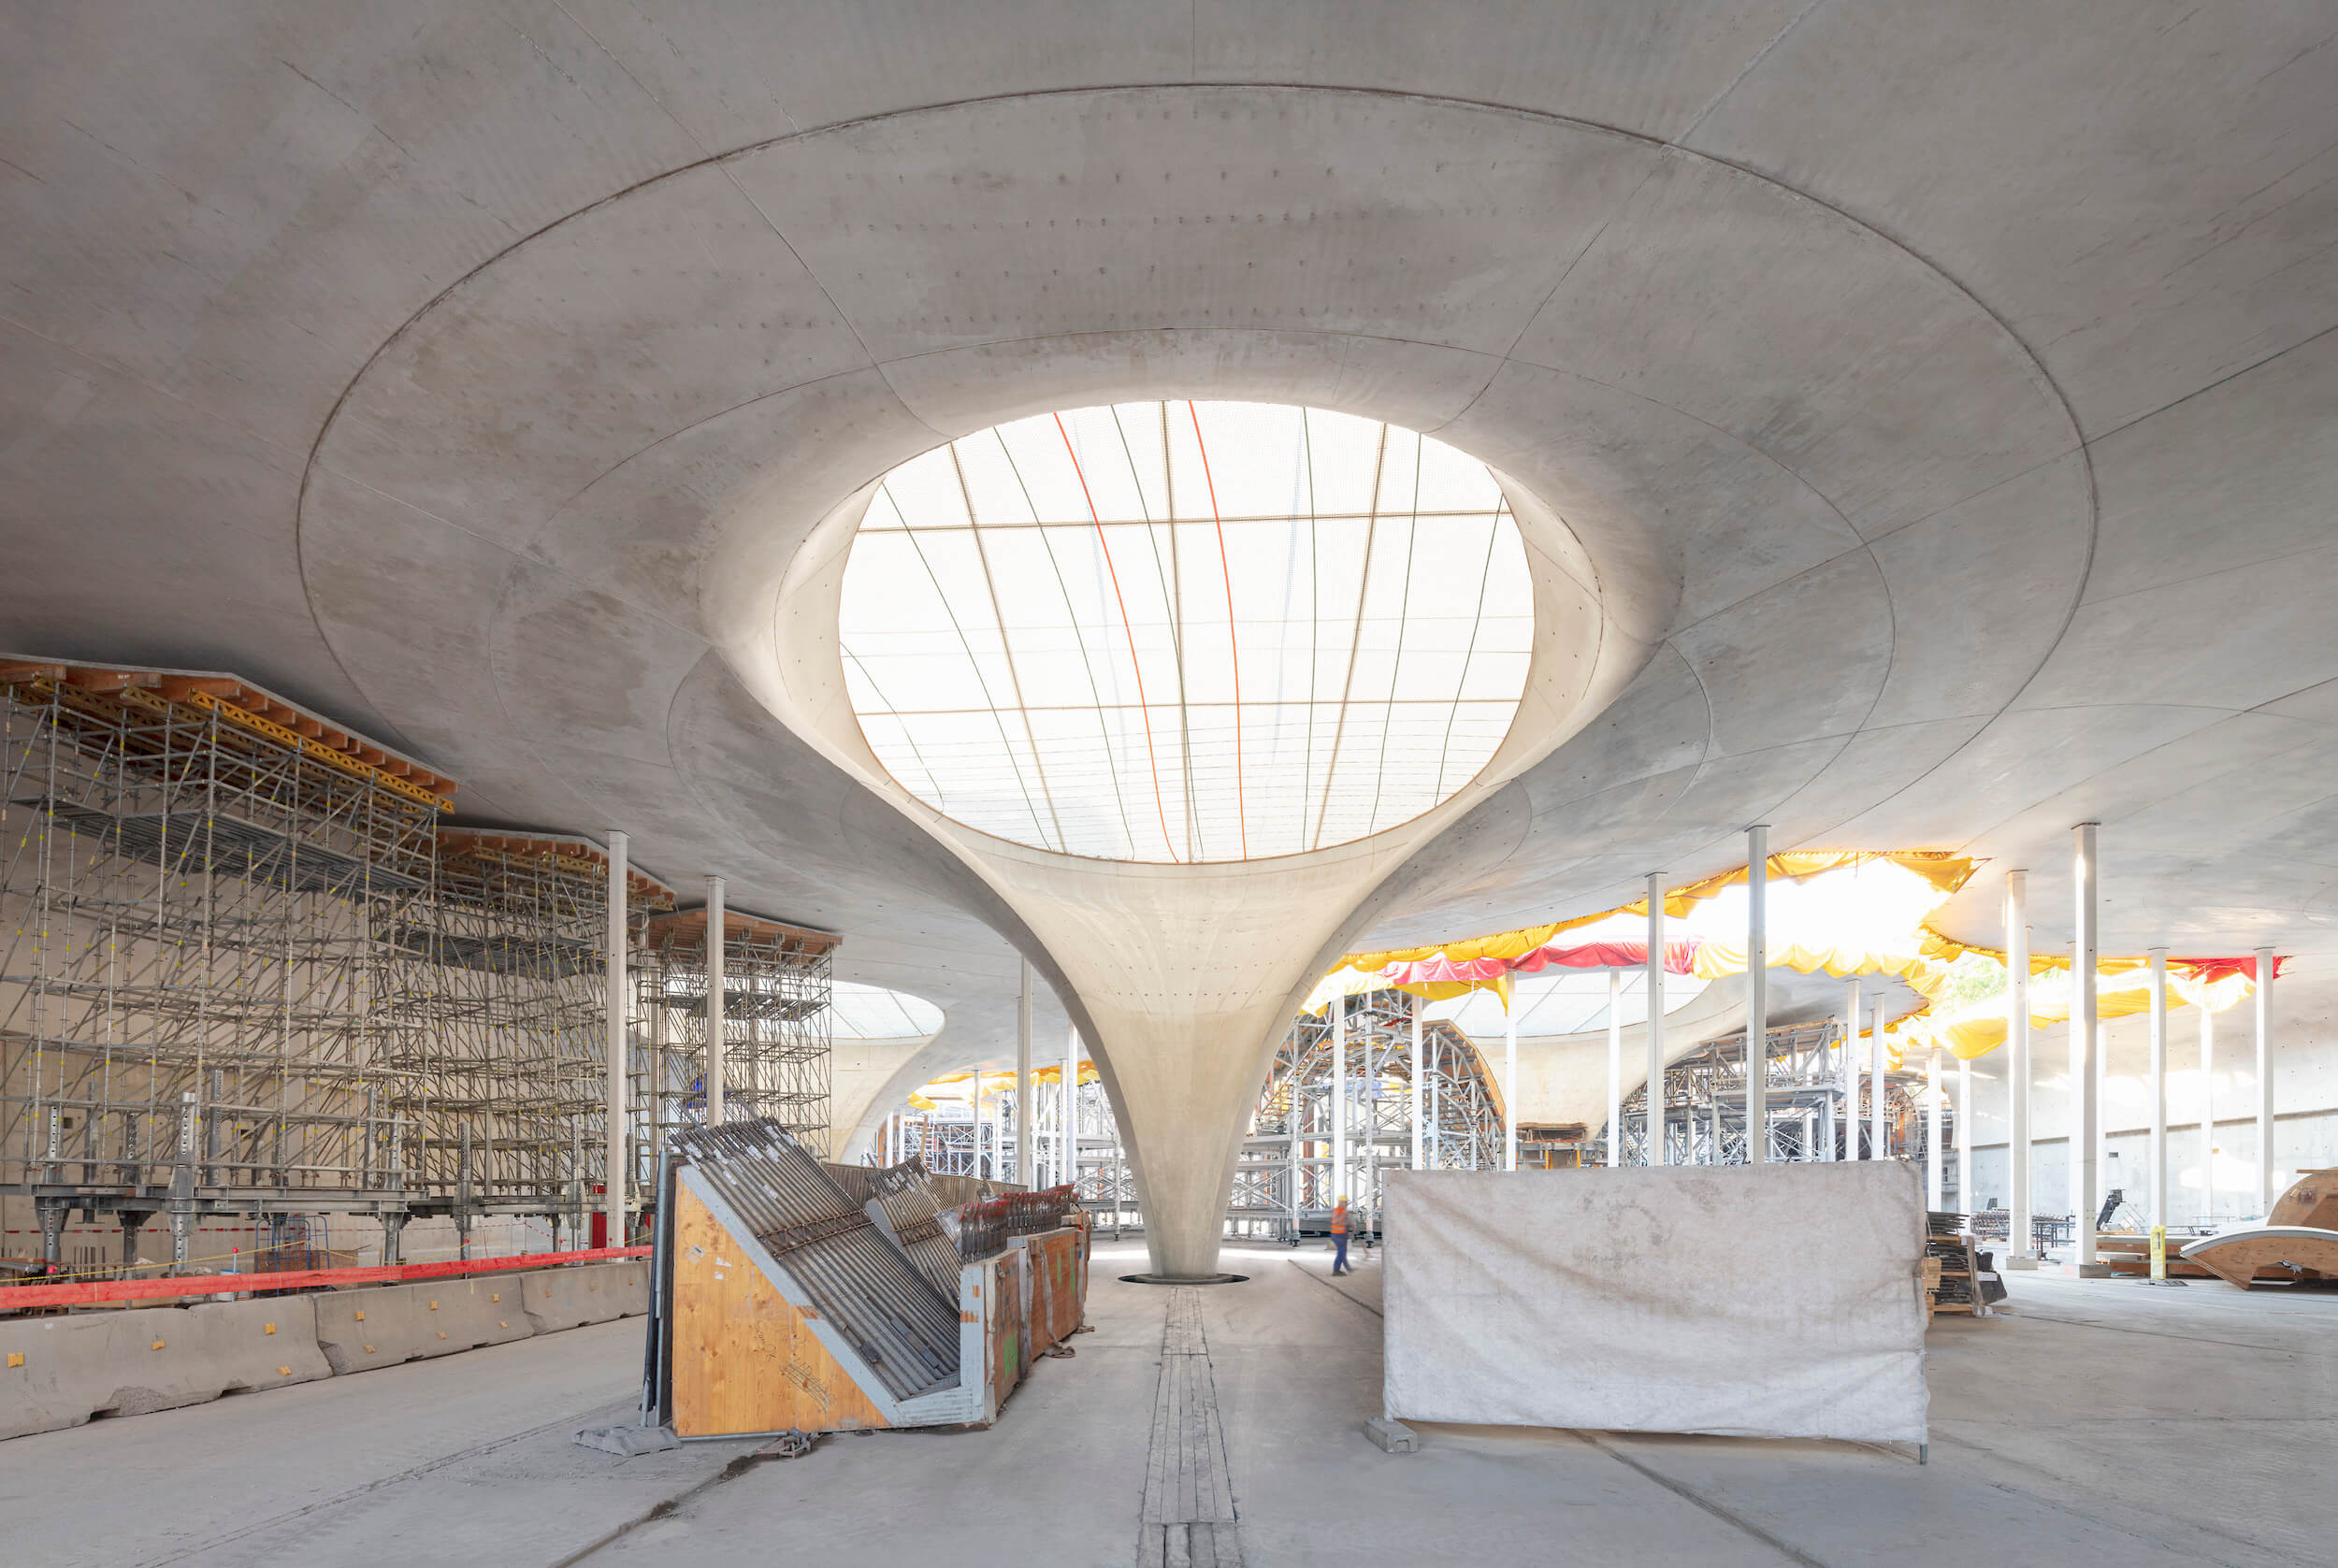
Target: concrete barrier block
pixel 62 1372
pixel 591 1294
pixel 358 1331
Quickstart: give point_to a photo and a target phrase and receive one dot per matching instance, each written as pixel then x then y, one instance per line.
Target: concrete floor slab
pixel 2098 1421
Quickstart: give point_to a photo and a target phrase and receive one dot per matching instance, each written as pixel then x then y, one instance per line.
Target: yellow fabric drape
pixel 1944 871
pixel 1976 1030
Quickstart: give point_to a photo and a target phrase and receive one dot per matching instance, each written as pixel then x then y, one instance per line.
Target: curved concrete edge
pixel 57 1372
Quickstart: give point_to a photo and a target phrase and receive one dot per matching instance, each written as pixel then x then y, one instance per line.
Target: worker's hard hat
pixel 1343 1197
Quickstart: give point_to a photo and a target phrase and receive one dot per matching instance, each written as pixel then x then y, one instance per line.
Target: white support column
pixel 1072 1105
pixel 612 1154
pixel 655 1076
pixel 716 943
pixel 1655 1119
pixel 2207 1113
pixel 2158 1184
pixel 1933 1174
pixel 1509 1082
pixel 2019 1235
pixel 2266 1191
pixel 1851 1007
pixel 1024 1153
pixel 1615 1066
pixel 1964 1135
pixel 1413 1064
pixel 1756 996
pixel 1879 1100
pixel 2084 954
pixel 1339 1100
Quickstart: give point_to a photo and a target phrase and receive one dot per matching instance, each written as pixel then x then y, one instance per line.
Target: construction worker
pixel 1339 1238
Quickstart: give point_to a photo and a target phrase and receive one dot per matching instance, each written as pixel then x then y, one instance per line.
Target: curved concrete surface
pixel 1934 406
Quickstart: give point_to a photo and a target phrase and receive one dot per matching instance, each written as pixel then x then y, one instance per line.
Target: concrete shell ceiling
pixel 1942 396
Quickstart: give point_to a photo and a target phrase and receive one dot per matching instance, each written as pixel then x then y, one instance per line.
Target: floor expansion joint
pixel 1189 1513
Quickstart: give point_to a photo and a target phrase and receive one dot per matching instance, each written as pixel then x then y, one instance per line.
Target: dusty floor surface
pixel 2100 1421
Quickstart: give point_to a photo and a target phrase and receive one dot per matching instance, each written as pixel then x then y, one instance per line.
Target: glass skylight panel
pixel 1183 632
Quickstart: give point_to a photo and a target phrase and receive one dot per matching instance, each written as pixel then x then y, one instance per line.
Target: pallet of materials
pixel 783 1304
pixel 1955 1277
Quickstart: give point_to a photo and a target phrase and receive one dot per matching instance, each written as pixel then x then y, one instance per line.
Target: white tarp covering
pixel 1769 1301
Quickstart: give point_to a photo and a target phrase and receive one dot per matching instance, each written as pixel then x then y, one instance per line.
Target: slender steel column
pixel 1964 1135
pixel 1509 1082
pixel 2265 1193
pixel 2207 1113
pixel 1756 996
pixel 1615 1066
pixel 1414 1064
pixel 1654 1120
pixel 717 940
pixel 1072 1106
pixel 2021 1236
pixel 1339 1100
pixel 2085 1084
pixel 1879 1128
pixel 1023 1140
pixel 1933 1174
pixel 1851 1007
pixel 2159 1155
pixel 612 1154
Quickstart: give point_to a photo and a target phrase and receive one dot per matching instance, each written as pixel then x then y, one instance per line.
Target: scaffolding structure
pixel 1282 1185
pixel 497 1037
pixel 776 1051
pixel 246 971
pixel 199 879
pixel 1812 1116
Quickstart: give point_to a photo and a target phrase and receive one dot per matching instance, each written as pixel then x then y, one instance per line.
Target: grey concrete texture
pixel 360 1331
pixel 1938 398
pixel 67 1370
pixel 2076 1429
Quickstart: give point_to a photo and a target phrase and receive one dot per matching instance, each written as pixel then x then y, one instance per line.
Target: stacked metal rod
pixel 898 1320
pixel 907 1196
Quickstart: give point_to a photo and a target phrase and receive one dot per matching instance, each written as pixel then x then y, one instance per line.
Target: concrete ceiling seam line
pixel 698 530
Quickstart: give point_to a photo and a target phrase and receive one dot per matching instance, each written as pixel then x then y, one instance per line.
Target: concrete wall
pixel 2305 1125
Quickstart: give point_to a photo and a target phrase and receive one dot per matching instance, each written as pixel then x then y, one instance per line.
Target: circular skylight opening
pixel 1186 632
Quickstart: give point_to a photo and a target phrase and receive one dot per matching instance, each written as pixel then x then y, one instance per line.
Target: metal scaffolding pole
pixel 613 1167
pixel 2085 1079
pixel 1756 995
pixel 2021 1234
pixel 1023 1139
pixel 2265 1185
pixel 717 999
pixel 1655 1152
pixel 2158 1180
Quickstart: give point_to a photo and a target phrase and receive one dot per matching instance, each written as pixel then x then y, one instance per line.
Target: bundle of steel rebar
pixel 900 1324
pixel 906 1195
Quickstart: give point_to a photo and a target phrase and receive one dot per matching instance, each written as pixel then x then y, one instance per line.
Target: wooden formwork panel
pixel 745 1359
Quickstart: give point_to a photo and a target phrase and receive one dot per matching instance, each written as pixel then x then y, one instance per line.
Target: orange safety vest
pixel 1339 1220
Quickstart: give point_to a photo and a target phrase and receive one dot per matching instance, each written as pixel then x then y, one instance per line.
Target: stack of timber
pixel 1952 1266
pixel 786 1304
pixel 2298 1244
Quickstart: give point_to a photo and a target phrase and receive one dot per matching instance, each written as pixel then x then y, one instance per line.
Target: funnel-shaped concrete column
pixel 1183 977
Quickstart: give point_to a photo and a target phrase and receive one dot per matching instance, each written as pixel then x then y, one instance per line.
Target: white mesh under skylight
pixel 873 1012
pixel 1186 631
